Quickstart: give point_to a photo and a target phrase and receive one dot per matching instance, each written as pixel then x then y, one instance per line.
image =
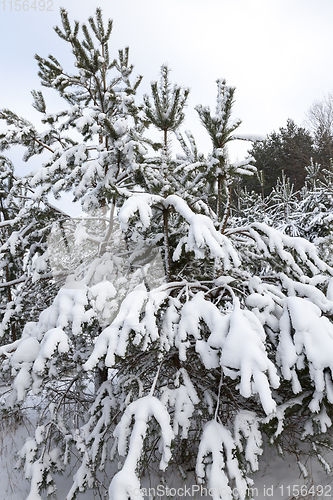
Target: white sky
pixel 277 53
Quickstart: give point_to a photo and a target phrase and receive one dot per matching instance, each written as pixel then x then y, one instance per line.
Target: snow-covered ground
pixel 278 478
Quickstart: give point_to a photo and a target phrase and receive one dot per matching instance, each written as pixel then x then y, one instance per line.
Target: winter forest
pixel 179 330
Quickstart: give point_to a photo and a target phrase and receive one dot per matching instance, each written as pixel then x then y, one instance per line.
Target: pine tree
pixel 220 172
pixel 98 169
pixel 140 372
pixel 166 113
pixel 289 150
pixel 24 225
pixel 315 208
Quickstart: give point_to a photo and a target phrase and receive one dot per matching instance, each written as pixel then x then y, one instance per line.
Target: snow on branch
pixel 244 167
pixel 251 363
pixel 270 241
pixel 195 310
pixel 183 399
pixel 113 340
pixel 40 342
pixel 126 482
pixel 247 429
pixel 276 241
pixel 248 137
pixel 228 332
pixel 202 232
pixel 306 337
pixel 309 291
pixel 54 339
pixel 141 203
pixel 13 282
pixel 218 442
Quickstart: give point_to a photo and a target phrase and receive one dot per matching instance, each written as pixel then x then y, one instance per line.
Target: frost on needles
pixel 163 333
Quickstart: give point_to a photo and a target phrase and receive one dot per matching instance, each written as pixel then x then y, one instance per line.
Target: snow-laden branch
pixel 113 341
pixel 270 241
pixel 201 234
pixel 183 399
pixel 248 137
pixel 11 222
pixel 141 203
pixel 306 336
pixel 247 427
pixel 126 482
pixel 13 282
pixel 228 332
pixel 244 167
pixel 218 442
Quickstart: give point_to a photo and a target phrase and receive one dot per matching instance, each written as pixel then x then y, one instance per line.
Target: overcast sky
pixel 277 53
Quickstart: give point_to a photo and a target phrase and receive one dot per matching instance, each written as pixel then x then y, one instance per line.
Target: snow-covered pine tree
pixel 10 270
pixel 280 208
pixel 190 374
pixel 220 172
pixel 164 110
pixel 24 225
pixel 315 208
pixel 98 169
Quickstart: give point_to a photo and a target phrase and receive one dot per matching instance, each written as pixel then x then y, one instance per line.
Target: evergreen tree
pixel 315 209
pixel 220 173
pixel 166 113
pixel 289 150
pixel 24 226
pixel 141 373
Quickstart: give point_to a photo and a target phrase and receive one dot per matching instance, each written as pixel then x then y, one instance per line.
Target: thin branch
pixel 151 393
pixel 14 282
pixel 42 144
pixel 219 395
